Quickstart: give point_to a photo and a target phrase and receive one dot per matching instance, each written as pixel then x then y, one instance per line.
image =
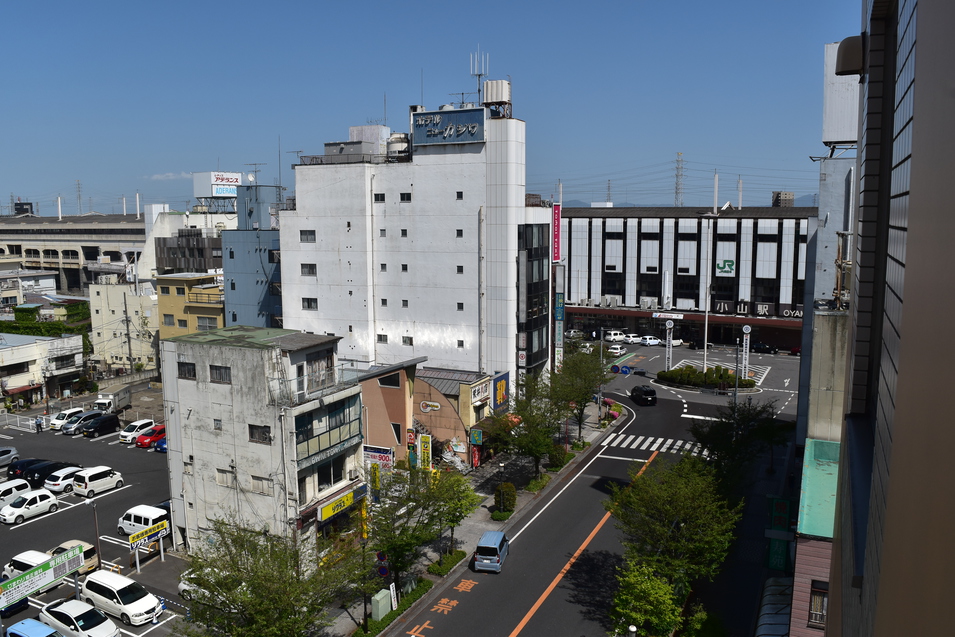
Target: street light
pixel 99 548
pixel 709 286
pixel 600 387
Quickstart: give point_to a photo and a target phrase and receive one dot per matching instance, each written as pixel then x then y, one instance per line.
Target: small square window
pixel 461 344
pixel 460 195
pixel 383 267
pixel 220 374
pixel 405 197
pixel 180 291
pixel 404 302
pixel 97 311
pixel 384 303
pixel 309 303
pixel 460 307
pixel 164 289
pixel 224 477
pixel 306 236
pixel 260 433
pixel 382 338
pixel 404 232
pixel 460 269
pixel 97 292
pixel 187 371
pixel 379 197
pixel 407 340
pixel 309 269
pixel 182 323
pixel 168 320
pixel 382 233
pixel 217 424
pixel 404 267
pixel 459 233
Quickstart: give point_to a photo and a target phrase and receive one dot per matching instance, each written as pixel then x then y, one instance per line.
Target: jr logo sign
pixel 728 266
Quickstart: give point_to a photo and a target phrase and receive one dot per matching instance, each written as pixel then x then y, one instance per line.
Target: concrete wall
pixel 825 402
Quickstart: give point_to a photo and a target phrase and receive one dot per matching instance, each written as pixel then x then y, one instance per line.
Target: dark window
pixel 382 233
pixel 306 236
pixel 405 197
pixel 404 302
pixel 382 338
pixel 275 256
pixel 391 380
pixel 180 291
pixel 460 269
pixel 187 370
pixel 384 303
pixel 459 233
pixel 404 232
pixel 309 303
pixel 407 340
pixel 379 197
pixel 260 433
pixel 460 307
pixel 460 343
pixel 309 269
pixel 460 195
pixel 232 284
pixel 164 289
pixel 404 267
pixel 383 267
pixel 220 374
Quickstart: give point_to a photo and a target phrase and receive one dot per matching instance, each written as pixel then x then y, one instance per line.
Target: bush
pixel 692 377
pixel 558 457
pixel 537 484
pixel 447 563
pixel 505 497
pixel 500 516
pixel 580 445
pixel 375 627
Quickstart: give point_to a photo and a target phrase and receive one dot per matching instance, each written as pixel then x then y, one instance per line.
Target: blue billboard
pixel 451 126
pixel 500 392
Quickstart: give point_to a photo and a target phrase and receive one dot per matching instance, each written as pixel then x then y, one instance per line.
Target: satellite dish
pixel 251 177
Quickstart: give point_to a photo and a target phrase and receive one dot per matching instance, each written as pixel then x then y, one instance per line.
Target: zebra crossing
pixel 651 443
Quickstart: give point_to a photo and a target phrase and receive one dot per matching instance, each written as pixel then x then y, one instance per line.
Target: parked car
pixel 89 482
pixel 71 426
pixel 160 445
pixel 12 489
pixel 616 350
pixel 16 469
pixel 676 342
pixel 121 597
pixel 61 481
pixel 90 560
pixel 649 340
pixel 573 334
pixel 698 344
pixel 134 429
pixel 60 419
pixel 8 455
pixel 105 424
pixel 763 348
pixel 15 607
pixel 587 348
pixel 29 505
pixel 631 339
pixel 151 436
pixel 643 395
pixel 796 351
pixel 74 618
pixel 38 473
pixel 492 549
pixel 614 336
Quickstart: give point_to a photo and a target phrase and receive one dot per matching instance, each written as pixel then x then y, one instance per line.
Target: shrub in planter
pixel 557 457
pixel 505 497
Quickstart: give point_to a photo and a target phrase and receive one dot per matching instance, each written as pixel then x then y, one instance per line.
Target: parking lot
pixel 146 481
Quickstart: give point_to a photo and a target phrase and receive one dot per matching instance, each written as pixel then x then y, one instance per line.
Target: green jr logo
pixel 726 267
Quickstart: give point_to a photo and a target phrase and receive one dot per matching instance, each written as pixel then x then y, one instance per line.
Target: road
pixel 565 549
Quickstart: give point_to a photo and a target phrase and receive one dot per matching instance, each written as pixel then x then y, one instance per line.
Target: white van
pixel 121 597
pixel 24 562
pixel 134 429
pixel 12 489
pixel 89 482
pixel 140 517
pixel 614 336
pixel 57 421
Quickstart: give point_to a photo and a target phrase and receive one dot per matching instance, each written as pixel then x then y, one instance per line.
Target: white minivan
pixel 11 490
pixel 134 429
pixel 119 596
pixel 57 421
pixel 89 482
pixel 139 518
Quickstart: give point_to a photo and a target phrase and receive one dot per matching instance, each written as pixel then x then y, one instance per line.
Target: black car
pixel 105 424
pixel 763 348
pixel 698 344
pixel 16 469
pixel 38 473
pixel 643 395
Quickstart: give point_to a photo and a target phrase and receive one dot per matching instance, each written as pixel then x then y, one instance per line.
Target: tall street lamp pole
pixel 99 548
pixel 706 311
pixel 600 388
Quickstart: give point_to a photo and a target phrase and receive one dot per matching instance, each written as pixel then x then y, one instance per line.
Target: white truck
pixel 113 400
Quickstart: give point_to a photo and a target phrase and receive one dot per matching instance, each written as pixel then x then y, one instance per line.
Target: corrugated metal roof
pixel 817 502
pixel 661 212
pixel 257 338
pixel 448 381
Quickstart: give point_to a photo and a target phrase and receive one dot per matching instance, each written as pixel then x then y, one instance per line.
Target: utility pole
pixel 129 342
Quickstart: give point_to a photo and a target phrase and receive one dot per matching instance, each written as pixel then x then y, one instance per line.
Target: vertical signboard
pixel 669 355
pixel 500 394
pixel 425 451
pixel 555 237
pixel 745 366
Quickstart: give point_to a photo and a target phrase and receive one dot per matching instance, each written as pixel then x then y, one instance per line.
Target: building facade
pixel 34 368
pixel 124 324
pixel 419 245
pixel 262 428
pixel 189 302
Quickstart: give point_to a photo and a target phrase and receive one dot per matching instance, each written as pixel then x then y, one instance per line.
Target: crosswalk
pixel 650 443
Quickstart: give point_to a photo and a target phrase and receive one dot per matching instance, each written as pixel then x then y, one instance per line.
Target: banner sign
pixel 556 237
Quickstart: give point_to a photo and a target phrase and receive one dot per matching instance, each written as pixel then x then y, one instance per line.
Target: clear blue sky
pixel 130 97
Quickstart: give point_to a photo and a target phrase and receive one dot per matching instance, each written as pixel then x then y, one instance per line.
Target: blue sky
pixel 129 97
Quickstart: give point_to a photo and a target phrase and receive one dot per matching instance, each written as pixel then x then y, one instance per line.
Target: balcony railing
pixel 288 392
pixel 204 298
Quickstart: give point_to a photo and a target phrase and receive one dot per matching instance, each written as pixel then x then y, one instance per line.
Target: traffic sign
pixel 615 369
pixel 40 576
pixel 625 370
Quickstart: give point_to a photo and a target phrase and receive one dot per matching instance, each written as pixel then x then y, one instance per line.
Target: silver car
pixel 8 455
pixel 72 426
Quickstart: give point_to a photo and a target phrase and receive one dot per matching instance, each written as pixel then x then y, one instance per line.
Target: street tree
pixel 455 500
pixel 675 520
pixel 404 519
pixel 742 431
pixel 248 583
pixel 577 381
pixel 645 601
pixel 541 411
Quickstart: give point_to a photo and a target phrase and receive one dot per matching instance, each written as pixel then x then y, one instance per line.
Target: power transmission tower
pixel 678 190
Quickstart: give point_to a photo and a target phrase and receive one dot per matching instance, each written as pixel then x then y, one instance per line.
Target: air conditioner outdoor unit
pixel 353 474
pixel 654 304
pixel 645 302
pixel 614 301
pixel 605 301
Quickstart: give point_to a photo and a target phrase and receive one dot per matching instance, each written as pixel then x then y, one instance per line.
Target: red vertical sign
pixel 556 238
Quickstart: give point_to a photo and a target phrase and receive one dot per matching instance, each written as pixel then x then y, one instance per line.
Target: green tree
pixel 741 433
pixel 577 381
pixel 456 499
pixel 645 601
pixel 404 519
pixel 541 411
pixel 675 521
pixel 248 583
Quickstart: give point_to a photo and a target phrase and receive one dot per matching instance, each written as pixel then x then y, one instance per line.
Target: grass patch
pixel 449 562
pixel 535 485
pixel 580 445
pixel 375 627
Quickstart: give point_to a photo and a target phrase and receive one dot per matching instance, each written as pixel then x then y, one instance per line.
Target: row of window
pixel 203 323
pixel 217 373
pixel 408 340
pixel 308 236
pixel 164 289
pixel 226 478
pixel 311 303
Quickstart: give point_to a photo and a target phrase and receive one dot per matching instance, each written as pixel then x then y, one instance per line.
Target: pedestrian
pixel 39 424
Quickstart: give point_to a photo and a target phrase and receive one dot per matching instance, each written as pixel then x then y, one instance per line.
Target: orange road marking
pixel 570 562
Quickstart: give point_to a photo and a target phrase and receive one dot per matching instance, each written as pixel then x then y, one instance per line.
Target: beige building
pixel 118 342
pixel 34 367
pixel 190 302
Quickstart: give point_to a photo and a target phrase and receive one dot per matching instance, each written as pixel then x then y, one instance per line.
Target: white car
pixel 61 481
pixel 57 421
pixel 649 340
pixel 631 338
pixel 574 334
pixel 28 505
pixel 134 429
pixel 616 350
pixel 74 618
pixel 676 342
pixel 121 597
pixel 613 336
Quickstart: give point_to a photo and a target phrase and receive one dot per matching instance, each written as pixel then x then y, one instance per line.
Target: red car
pixel 149 437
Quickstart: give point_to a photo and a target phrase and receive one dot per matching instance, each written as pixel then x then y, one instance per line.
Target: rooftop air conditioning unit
pixel 654 304
pixel 645 302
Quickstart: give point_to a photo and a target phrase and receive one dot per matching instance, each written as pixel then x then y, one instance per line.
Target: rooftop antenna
pixel 255 169
pixel 609 194
pixel 678 191
pixel 739 188
pixel 479 66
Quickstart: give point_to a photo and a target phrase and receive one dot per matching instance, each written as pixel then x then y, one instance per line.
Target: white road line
pixel 607 440
pixel 694 417
pixel 657 444
pixel 623 458
pixel 666 446
pixel 626 441
pixel 676 448
pixel 637 442
pixel 646 444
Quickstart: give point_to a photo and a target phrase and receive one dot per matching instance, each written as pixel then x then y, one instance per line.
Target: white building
pixel 124 321
pixel 422 245
pixel 34 367
pixel 261 428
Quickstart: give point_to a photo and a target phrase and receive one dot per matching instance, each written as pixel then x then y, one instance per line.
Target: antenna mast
pixel 479 65
pixel 609 195
pixel 678 191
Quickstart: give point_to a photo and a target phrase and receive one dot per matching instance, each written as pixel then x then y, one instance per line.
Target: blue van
pixel 491 551
pixel 32 628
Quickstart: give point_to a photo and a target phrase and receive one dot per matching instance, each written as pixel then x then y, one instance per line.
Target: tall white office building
pixel 423 244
